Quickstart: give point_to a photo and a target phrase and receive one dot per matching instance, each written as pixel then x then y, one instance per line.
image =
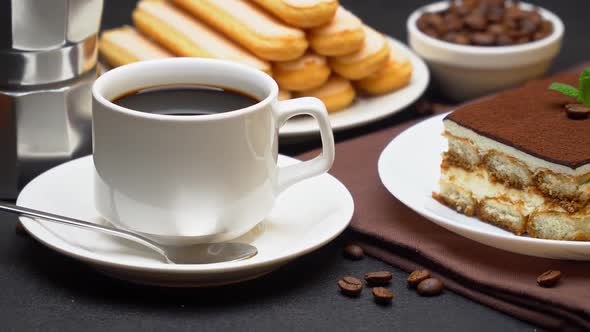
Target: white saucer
pixel 367 109
pixel 409 168
pixel 306 216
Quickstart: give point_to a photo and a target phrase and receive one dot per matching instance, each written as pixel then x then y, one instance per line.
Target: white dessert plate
pixel 409 168
pixel 306 216
pixel 367 109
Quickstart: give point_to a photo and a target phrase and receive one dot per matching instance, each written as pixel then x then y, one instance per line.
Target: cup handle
pixel 289 175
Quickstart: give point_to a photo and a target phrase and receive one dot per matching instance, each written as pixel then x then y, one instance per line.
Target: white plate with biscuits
pixel 409 167
pixel 312 49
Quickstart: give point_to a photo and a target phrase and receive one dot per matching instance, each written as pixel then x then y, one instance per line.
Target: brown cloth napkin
pixel 502 280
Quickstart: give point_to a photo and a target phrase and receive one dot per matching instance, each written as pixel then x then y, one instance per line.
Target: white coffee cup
pixel 194 179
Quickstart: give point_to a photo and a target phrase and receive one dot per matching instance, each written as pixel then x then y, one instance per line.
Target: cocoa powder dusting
pixel 532 119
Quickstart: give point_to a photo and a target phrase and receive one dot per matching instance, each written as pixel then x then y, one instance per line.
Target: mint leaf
pixel 566 89
pixel 585 87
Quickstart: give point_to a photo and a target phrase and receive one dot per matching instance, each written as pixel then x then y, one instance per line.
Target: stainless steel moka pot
pixel 48 57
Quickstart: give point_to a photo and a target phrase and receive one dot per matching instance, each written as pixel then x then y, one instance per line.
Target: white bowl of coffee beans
pixel 477 47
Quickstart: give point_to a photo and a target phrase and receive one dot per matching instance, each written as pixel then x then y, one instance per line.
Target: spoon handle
pixel 23 211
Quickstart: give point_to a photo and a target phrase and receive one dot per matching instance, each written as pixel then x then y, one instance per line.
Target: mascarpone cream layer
pixel 485 144
pixel 478 183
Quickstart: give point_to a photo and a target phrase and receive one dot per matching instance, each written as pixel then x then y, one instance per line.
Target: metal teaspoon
pixel 195 254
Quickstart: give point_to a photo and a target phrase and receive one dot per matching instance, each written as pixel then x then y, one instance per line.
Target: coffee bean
pixel 417 277
pixel 453 22
pixel 495 14
pixel 462 10
pixel 426 107
pixel 432 33
pixel 378 278
pixel 516 33
pixel 354 252
pixel 504 40
pixel 471 3
pixel 496 3
pixel 422 22
pixel 546 27
pixel 529 26
pixel 512 24
pixel 350 286
pixel 549 278
pixel 483 39
pixel 514 12
pixel 20 229
pixel 437 23
pixel 430 287
pixel 450 37
pixel 523 40
pixel 577 111
pixel 535 17
pixel 540 35
pixel 457 38
pixel 476 21
pixel 496 29
pixel 382 295
pixel 482 8
pixel 462 39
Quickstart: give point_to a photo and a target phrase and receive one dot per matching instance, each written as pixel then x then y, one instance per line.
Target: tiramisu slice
pixel 518 161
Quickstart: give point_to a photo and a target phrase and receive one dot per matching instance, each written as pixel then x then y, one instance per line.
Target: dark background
pixel 42 290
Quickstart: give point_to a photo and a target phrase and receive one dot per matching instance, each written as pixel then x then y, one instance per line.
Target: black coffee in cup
pixel 185 100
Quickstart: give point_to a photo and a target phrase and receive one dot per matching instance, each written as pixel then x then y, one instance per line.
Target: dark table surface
pixel 42 290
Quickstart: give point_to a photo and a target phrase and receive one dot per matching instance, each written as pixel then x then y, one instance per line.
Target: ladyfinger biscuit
pixel 184 35
pixel 251 27
pixel 396 74
pixel 284 94
pixel 308 72
pixel 125 45
pixel 370 58
pixel 301 13
pixel 344 35
pixel 336 94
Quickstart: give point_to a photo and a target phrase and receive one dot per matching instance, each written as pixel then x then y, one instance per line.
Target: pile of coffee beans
pixel 420 280
pixel 350 286
pixel 485 23
pixel 353 287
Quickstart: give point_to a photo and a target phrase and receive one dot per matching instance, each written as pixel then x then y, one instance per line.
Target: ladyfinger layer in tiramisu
pixel 517 161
